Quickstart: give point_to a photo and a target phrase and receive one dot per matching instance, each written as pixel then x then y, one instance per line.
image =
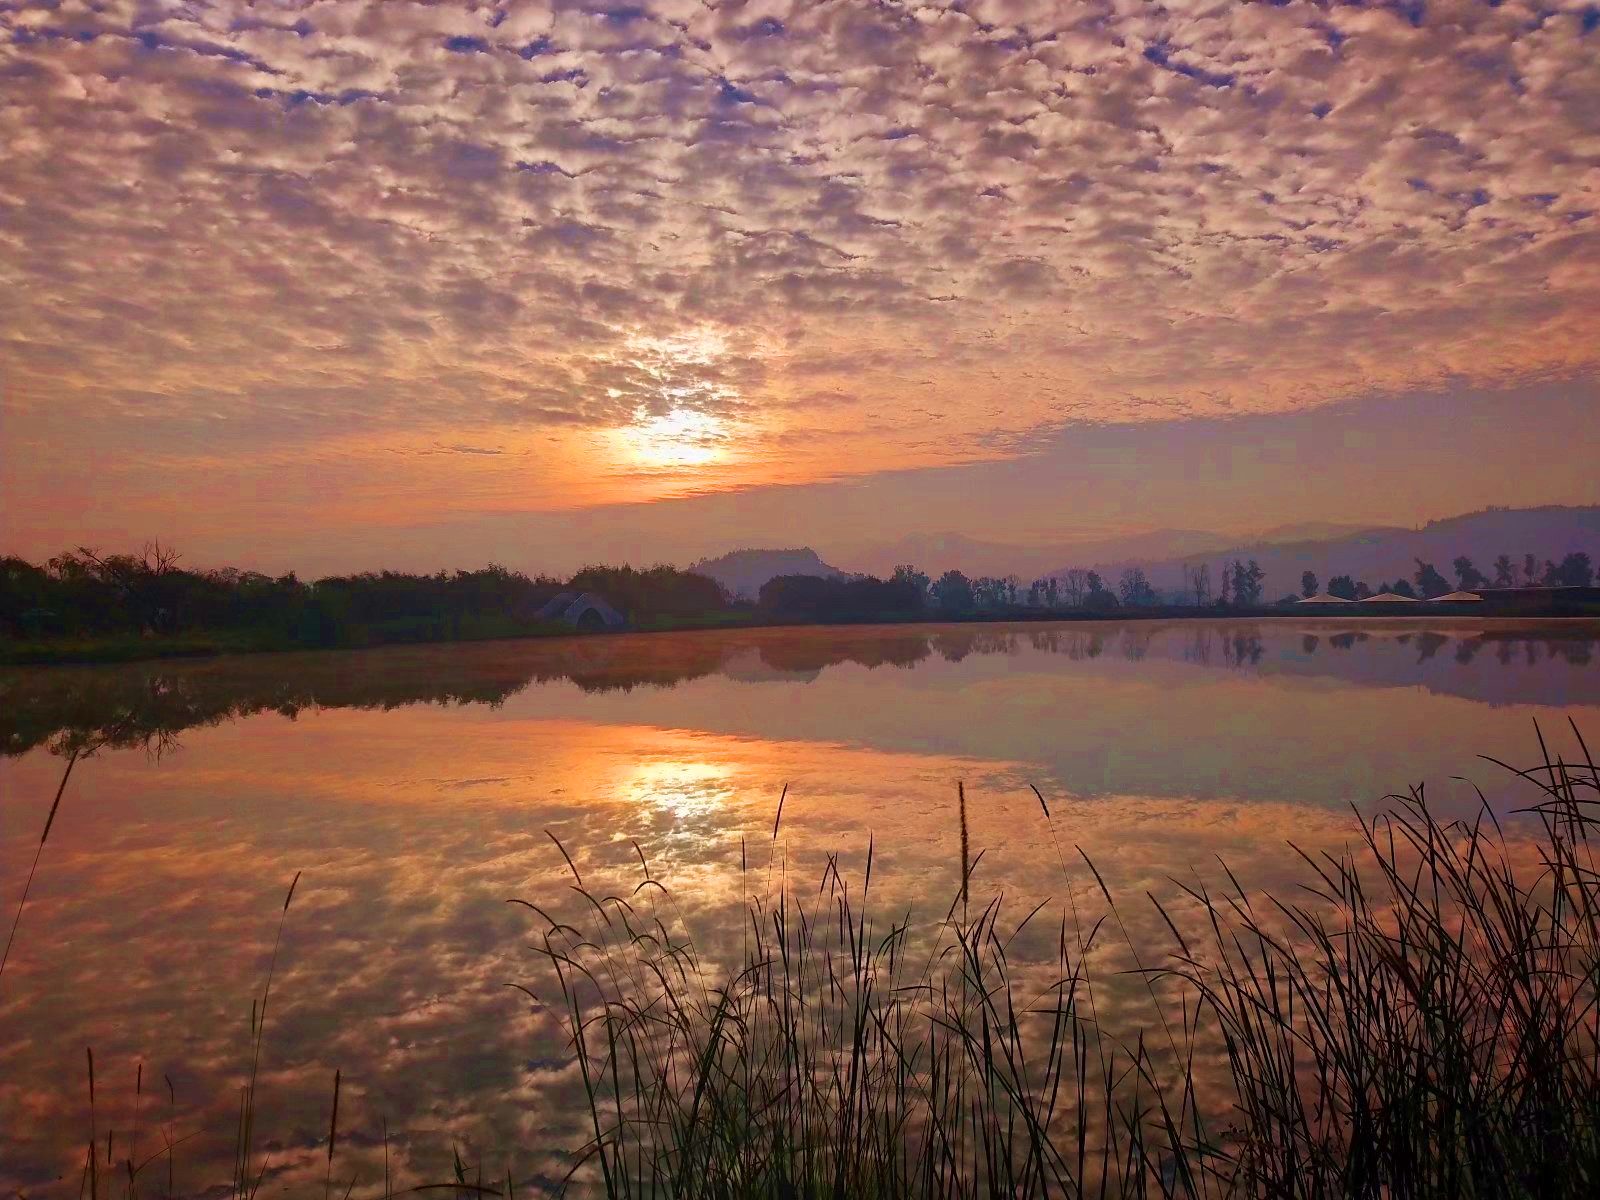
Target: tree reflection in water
pixel 150 704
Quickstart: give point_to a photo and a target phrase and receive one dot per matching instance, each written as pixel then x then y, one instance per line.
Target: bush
pixel 813 598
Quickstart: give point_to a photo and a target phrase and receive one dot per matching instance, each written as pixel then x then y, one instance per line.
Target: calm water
pixel 413 789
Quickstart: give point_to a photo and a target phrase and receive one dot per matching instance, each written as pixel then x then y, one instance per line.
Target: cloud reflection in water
pixel 413 788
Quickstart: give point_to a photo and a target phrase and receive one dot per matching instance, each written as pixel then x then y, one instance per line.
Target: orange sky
pixel 460 280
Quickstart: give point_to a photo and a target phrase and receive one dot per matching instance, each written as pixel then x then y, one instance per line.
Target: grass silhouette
pixel 1420 1021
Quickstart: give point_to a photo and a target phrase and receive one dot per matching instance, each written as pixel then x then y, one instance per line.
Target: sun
pixel 677 439
pixel 682 388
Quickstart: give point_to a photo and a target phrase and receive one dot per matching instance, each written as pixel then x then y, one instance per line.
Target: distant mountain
pixel 1319 531
pixel 936 553
pixel 1381 555
pixel 743 572
pixel 1376 554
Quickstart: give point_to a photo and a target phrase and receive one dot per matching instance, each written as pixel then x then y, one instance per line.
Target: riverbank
pixel 124 647
pixel 119 648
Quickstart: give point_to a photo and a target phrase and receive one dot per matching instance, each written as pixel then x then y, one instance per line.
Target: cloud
pixel 368 225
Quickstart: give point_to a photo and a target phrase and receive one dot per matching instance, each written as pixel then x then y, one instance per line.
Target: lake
pixel 412 790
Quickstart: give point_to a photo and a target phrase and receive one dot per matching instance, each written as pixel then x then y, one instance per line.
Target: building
pixel 586 611
pixel 1541 600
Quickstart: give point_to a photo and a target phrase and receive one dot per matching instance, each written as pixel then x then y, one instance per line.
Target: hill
pixel 743 572
pixel 939 552
pixel 936 553
pixel 1380 555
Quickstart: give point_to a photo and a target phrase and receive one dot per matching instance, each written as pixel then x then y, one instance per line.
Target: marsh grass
pixel 843 1057
pixel 1424 1022
pixel 1419 1020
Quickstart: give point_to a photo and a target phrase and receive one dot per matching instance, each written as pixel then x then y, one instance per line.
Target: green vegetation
pixel 813 598
pixel 1573 571
pixel 88 607
pixel 655 595
pixel 84 606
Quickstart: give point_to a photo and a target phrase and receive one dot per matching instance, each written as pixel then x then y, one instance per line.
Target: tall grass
pixel 1425 1023
pixel 1420 1021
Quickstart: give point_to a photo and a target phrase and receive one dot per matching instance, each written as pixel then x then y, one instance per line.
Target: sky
pixel 342 284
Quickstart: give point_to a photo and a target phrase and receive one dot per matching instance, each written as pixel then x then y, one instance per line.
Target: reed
pixel 38 851
pixel 1424 1023
pixel 1421 1021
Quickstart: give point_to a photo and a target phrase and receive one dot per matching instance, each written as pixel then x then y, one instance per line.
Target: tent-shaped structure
pixel 1389 598
pixel 1455 596
pixel 1324 598
pixel 582 610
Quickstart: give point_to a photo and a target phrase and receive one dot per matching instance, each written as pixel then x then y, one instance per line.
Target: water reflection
pixel 413 787
pixel 154 702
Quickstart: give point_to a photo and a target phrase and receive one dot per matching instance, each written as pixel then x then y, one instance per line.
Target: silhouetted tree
pixel 1503 576
pixel 1134 588
pixel 1074 583
pixel 1098 596
pixel 1308 584
pixel 1467 575
pixel 1429 582
pixel 1530 569
pixel 988 591
pixel 1363 592
pixel 25 605
pixel 1198 580
pixel 1342 586
pixel 1575 570
pixel 142 592
pixel 653 593
pixel 1247 582
pixel 953 591
pixel 813 597
pixel 1401 587
pixel 906 573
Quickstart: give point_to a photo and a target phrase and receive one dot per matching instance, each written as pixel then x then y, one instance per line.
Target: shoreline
pixel 125 649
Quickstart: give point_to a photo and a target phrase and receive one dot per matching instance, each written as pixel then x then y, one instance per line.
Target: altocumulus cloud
pixel 228 228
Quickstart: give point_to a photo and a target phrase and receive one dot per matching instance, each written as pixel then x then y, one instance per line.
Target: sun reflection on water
pixel 685 788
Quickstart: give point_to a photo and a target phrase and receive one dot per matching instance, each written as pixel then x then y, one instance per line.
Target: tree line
pixel 1427 582
pixel 1238 583
pixel 89 595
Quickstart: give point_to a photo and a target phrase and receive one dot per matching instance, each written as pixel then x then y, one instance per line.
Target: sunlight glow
pixel 684 372
pixel 680 438
pixel 684 787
